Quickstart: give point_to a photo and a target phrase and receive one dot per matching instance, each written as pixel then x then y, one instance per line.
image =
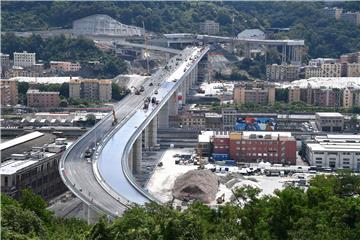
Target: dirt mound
pixel 199 185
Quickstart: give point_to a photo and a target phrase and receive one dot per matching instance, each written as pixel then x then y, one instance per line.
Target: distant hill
pixel 324 36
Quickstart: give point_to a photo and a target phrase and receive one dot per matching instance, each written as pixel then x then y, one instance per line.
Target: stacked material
pixel 201 185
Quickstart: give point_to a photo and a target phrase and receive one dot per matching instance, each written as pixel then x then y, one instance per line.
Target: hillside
pixel 324 36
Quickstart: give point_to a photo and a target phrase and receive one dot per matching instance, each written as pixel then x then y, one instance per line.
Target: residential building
pixel 329 121
pixel 273 147
pixel 294 94
pixel 65 66
pixel 333 12
pixel 5 63
pixel 35 98
pixel 317 62
pixel 100 24
pixel 334 151
pixel 280 73
pixel 325 70
pixel 24 59
pixel 351 17
pixel 254 93
pixel 209 27
pixel 192 120
pixel 91 89
pixel 352 69
pixel 213 121
pixel 347 101
pixel 37 170
pixel 9 92
pixel 17 71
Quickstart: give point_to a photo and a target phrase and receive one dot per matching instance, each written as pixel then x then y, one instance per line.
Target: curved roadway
pixel 107 184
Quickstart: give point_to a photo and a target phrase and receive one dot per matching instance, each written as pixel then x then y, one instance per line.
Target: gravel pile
pixel 201 185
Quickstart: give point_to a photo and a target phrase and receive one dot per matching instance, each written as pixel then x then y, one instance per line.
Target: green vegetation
pixel 28 218
pixel 67 49
pixel 329 209
pixel 323 35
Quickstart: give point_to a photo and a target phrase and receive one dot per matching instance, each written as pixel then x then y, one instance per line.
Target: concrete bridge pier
pixel 137 154
pixel 173 104
pixel 183 92
pixel 153 126
pixel 90 214
pixel 146 138
pixel 163 116
pixel 130 160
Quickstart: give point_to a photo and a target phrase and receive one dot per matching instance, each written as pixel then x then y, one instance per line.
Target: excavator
pixel 221 199
pixel 137 91
pixel 115 121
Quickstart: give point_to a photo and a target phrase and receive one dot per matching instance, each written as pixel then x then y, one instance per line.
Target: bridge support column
pixel 90 214
pixel 163 117
pixel 173 105
pixel 187 85
pixel 183 92
pixel 130 159
pixel 137 154
pixel 153 126
pixel 146 137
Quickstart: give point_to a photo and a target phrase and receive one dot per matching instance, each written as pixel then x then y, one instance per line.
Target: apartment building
pixel 333 12
pixel 37 170
pixel 324 70
pixel 351 17
pixel 294 94
pixel 280 73
pixel 209 27
pixel 352 69
pixel 5 63
pixel 65 66
pixel 9 92
pixel 24 59
pixel 334 151
pixel 91 89
pixel 273 147
pixel 329 121
pixel 35 98
pixel 347 98
pixel 254 93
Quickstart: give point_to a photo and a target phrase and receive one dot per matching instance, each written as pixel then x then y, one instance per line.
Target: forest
pixel 329 209
pixel 324 36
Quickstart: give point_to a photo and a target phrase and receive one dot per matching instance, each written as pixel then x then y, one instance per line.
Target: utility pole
pixel 146 54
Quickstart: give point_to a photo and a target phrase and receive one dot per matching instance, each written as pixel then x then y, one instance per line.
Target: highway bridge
pixel 105 184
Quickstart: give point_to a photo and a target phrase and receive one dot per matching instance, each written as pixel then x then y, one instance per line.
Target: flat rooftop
pixel 329 114
pixel 12 166
pixel 19 140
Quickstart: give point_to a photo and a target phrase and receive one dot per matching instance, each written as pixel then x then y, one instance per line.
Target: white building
pixel 100 24
pixel 24 59
pixel 334 151
pixel 353 70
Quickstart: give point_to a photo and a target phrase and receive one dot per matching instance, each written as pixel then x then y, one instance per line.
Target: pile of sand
pixel 201 185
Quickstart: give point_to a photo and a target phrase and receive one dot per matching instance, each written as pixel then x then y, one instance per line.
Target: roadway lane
pixel 78 174
pixel 112 164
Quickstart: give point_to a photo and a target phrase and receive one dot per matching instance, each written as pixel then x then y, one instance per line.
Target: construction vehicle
pixel 142 89
pixel 156 92
pixel 136 91
pixel 153 100
pixel 146 103
pixel 221 199
pixel 115 121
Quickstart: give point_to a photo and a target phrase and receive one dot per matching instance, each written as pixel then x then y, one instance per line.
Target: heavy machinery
pixel 136 91
pixel 221 199
pixel 115 121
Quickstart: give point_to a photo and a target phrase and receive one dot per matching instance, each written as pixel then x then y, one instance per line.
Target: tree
pixel 91 119
pixel 33 202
